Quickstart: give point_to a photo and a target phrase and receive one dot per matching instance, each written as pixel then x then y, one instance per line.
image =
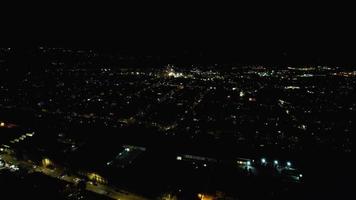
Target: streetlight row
pixel 275 162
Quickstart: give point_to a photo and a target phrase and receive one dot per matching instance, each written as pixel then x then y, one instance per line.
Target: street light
pixel 275 162
pixel 289 164
pixel 263 160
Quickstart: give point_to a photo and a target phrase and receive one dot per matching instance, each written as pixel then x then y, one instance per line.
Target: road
pixel 101 189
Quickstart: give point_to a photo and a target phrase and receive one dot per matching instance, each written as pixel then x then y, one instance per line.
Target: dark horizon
pixel 302 56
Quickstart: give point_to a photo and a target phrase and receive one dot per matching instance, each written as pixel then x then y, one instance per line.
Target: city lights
pixel 242 94
pixel 75 116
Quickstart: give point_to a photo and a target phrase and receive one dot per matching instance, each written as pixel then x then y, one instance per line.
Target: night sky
pixel 292 35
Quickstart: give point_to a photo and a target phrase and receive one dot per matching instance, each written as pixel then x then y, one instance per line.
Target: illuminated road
pixel 58 173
